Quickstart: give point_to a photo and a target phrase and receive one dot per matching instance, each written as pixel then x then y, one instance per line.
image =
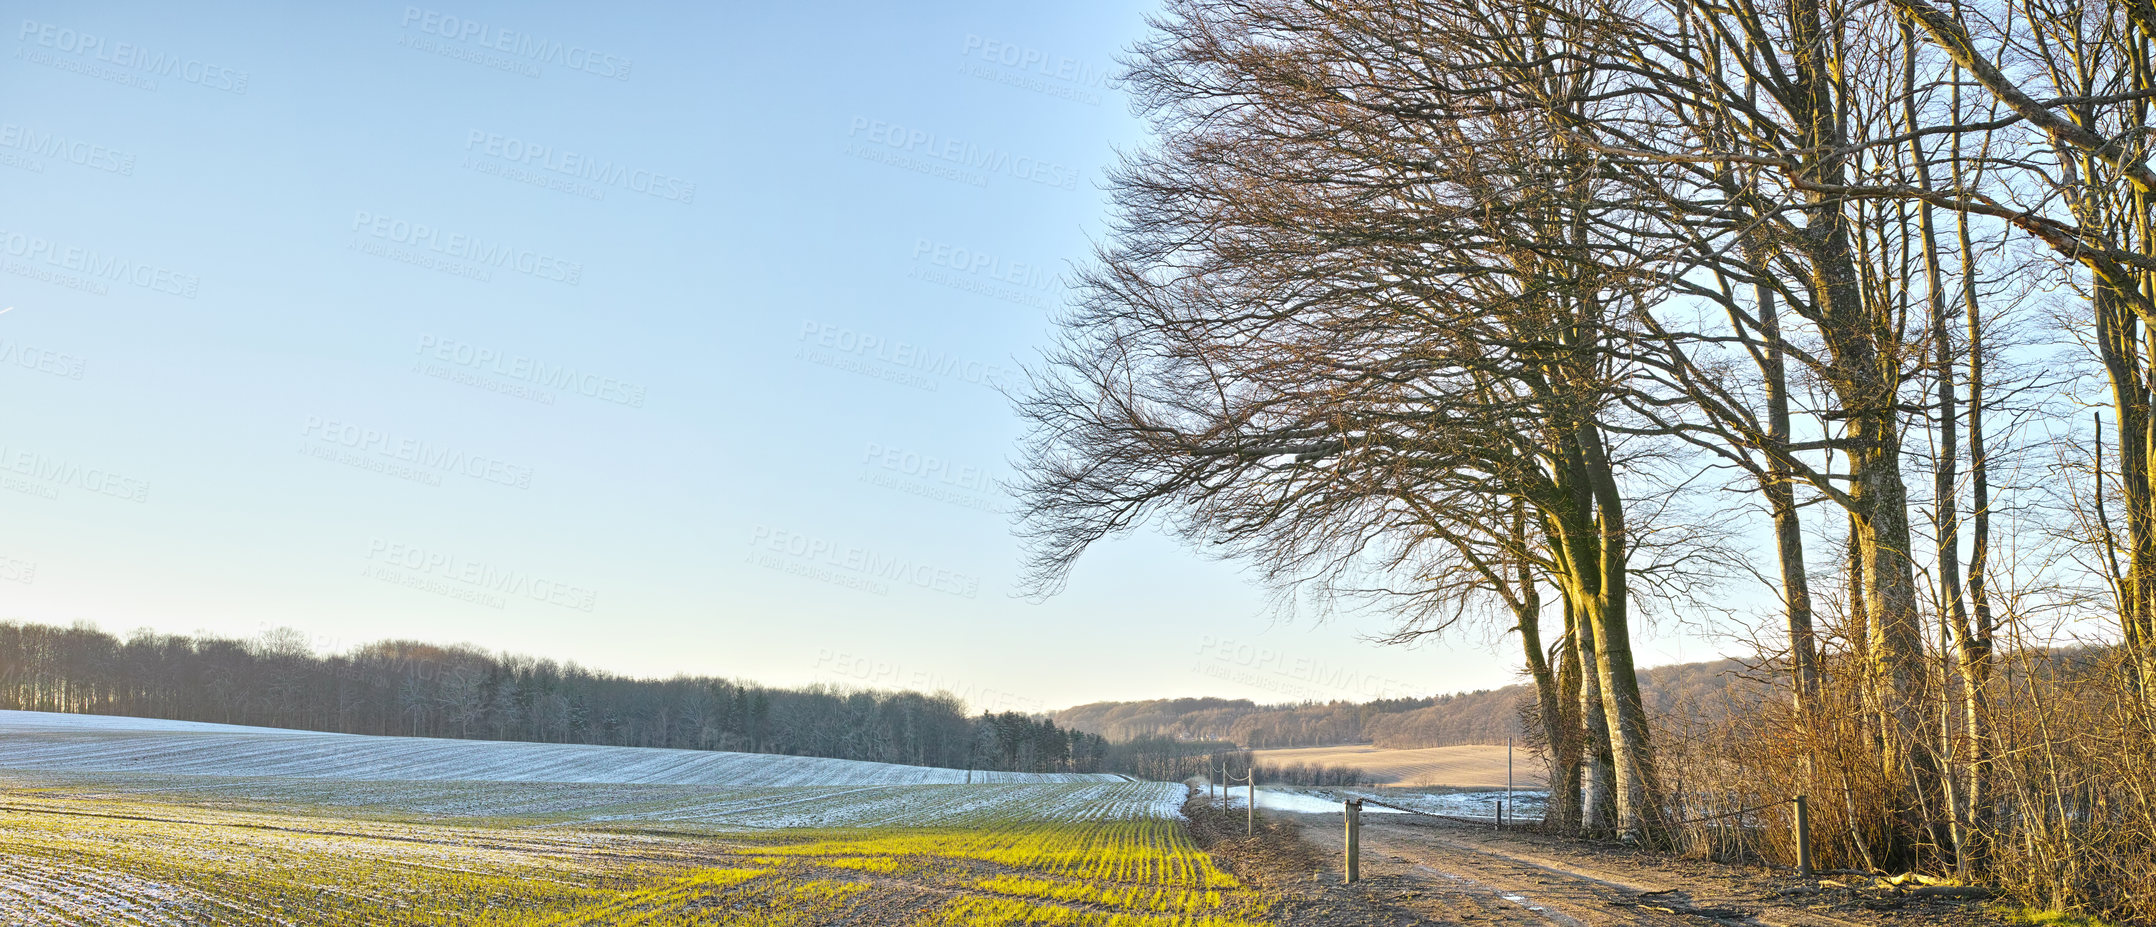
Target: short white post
pixel 1354 838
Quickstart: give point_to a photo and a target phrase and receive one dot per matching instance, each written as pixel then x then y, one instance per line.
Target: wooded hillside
pixel 1486 716
pixel 425 690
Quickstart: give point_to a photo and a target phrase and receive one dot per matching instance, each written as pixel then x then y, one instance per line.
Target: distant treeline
pixel 1312 774
pixel 1169 760
pixel 1165 759
pixel 1483 717
pixel 414 689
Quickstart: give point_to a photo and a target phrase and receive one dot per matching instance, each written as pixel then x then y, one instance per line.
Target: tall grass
pixel 2064 818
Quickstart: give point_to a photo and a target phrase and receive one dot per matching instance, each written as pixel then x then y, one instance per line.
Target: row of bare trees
pixel 413 689
pixel 1562 311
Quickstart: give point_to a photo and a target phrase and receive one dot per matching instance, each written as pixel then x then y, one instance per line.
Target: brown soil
pixel 1421 870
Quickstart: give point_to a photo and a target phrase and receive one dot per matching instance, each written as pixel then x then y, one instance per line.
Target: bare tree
pixel 1459 310
pixel 1364 306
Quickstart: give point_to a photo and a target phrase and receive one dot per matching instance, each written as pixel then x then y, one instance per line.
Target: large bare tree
pixel 1365 297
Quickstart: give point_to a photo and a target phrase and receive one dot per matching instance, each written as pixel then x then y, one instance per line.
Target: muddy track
pixel 1419 870
pixel 1538 889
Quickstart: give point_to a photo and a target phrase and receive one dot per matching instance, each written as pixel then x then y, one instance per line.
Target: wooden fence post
pixel 1804 837
pixel 1250 825
pixel 1354 839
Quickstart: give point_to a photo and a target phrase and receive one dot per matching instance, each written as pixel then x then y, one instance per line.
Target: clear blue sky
pixel 663 339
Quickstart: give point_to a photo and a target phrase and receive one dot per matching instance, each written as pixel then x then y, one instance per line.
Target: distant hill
pixel 1486 716
pixel 1472 766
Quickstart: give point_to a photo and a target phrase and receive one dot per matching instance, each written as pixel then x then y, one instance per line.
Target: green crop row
pixel 69 857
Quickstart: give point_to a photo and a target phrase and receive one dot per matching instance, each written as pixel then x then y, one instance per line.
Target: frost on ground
pixel 126 821
pixel 103 744
pixel 1299 801
pixel 31 893
pixel 1480 804
pixel 264 852
pixel 1526 804
pixel 558 804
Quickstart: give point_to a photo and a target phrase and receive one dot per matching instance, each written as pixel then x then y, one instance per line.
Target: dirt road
pixel 1419 870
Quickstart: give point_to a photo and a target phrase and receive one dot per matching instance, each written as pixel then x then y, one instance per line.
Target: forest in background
pixel 408 688
pixel 413 689
pixel 1487 716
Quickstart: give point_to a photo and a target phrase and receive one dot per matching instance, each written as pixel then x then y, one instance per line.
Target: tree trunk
pixel 1780 491
pixel 1946 509
pixel 1599 808
pixel 1566 787
pixel 1638 788
pixel 1556 705
pixel 1865 385
pixel 1973 642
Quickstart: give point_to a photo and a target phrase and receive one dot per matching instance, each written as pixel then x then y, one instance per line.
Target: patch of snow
pixel 19 722
pixel 1297 802
pixel 1482 804
pixel 103 744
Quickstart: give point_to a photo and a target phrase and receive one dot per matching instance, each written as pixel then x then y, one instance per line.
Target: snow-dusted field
pixel 1298 801
pixel 1480 804
pixel 1461 803
pixel 563 804
pixel 102 744
pixel 72 856
pixel 151 823
pixel 21 722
